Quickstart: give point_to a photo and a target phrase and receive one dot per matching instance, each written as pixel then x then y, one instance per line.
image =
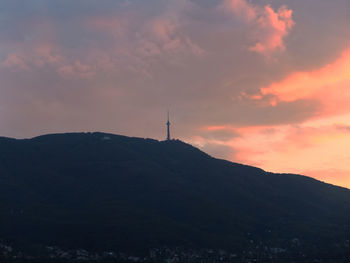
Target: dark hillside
pixel 108 192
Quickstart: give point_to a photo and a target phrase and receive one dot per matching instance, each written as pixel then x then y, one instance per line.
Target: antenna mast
pixel 168 128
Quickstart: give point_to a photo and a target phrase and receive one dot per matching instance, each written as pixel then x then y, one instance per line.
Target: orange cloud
pixel 317 148
pixel 333 176
pixel 216 128
pixel 328 85
pixel 271 27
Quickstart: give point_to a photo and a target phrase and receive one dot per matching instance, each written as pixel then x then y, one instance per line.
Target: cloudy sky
pixel 260 82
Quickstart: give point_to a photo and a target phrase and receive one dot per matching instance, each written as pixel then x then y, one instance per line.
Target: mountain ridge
pixel 105 191
pixel 104 134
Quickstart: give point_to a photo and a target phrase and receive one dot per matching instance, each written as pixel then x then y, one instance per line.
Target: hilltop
pixel 103 192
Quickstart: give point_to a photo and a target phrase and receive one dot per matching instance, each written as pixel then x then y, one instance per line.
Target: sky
pixel 260 82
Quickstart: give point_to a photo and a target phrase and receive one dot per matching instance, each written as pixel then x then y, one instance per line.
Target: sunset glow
pixel 264 83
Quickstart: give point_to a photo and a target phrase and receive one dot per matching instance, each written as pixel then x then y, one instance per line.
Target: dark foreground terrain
pixel 94 197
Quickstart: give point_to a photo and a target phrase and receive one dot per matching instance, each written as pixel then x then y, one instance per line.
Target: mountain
pixel 105 192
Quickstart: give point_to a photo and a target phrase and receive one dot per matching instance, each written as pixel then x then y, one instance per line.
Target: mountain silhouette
pixel 101 191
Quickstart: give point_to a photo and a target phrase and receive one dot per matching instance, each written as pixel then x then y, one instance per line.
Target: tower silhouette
pixel 168 129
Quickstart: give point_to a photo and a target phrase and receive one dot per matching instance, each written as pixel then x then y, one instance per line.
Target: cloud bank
pixel 258 82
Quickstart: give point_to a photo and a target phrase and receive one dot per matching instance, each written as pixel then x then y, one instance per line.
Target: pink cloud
pixel 47 54
pixel 127 42
pixel 273 28
pixel 270 27
pixel 44 55
pixel 164 29
pixel 77 70
pixel 115 25
pixel 240 8
pixel 15 61
pixel 165 35
pixel 145 38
